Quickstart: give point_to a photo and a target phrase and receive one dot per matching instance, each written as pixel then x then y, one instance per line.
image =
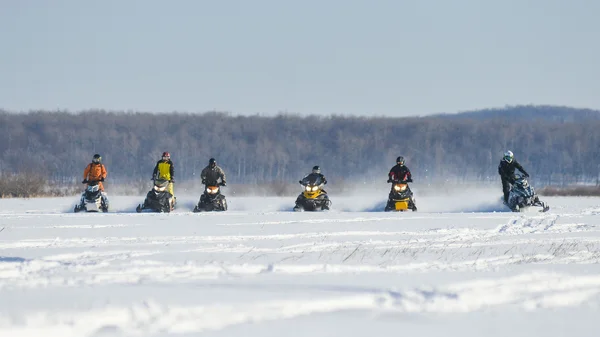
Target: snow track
pixel 254 272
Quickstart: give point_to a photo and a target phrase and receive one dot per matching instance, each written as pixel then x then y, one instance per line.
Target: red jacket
pixel 400 173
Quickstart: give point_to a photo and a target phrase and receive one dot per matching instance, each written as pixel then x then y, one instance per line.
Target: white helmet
pixel 508 156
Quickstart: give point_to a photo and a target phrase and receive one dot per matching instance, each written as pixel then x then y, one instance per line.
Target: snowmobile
pixel 92 199
pixel 400 197
pixel 212 199
pixel 522 195
pixel 314 197
pixel 158 199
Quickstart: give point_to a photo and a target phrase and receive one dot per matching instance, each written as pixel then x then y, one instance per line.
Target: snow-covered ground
pixel 460 266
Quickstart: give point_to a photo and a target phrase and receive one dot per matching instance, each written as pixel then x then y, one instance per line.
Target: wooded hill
pixel 555 144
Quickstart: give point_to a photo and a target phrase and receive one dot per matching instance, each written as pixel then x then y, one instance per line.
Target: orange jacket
pixel 94 172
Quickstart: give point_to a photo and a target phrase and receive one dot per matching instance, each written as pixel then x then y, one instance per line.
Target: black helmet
pixel 212 162
pixel 97 158
pixel 316 169
pixel 400 160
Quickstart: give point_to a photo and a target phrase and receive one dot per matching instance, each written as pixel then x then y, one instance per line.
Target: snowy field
pixel 457 267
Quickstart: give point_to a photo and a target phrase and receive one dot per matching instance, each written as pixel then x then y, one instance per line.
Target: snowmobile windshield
pixel 161 183
pixel 522 188
pixel 312 180
pixel 521 180
pixel 93 187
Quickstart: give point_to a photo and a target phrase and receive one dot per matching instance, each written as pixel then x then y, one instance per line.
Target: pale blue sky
pixel 370 57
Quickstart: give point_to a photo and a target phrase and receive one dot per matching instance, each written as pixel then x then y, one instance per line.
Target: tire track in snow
pixel 515 226
pixel 524 224
pixel 123 268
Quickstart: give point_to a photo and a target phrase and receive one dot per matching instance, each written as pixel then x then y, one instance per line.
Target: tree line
pixel 260 149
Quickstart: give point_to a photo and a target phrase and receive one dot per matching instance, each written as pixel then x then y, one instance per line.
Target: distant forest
pixel 557 145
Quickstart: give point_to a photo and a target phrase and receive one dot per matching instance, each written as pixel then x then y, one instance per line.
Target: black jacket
pixel 400 173
pixel 211 175
pixel 506 170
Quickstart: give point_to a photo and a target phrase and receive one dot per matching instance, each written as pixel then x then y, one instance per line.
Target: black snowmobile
pixel 522 195
pixel 91 199
pixel 400 197
pixel 212 199
pixel 158 199
pixel 314 197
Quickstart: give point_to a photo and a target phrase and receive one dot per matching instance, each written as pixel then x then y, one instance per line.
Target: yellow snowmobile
pixel 400 198
pixel 314 197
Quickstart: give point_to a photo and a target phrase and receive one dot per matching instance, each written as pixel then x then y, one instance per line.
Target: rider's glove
pixel 172 180
pixel 300 181
pixel 389 180
pixel 102 179
pixel 204 181
pixel 223 183
pixel 84 181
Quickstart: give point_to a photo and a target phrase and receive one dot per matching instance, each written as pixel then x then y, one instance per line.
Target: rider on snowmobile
pixel 400 173
pixel 506 170
pixel 316 171
pixel 210 177
pixel 164 169
pixel 95 171
pixel 211 173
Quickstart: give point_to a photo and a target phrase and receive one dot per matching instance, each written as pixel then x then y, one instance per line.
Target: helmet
pixel 166 154
pixel 212 162
pixel 400 160
pixel 97 158
pixel 316 169
pixel 508 156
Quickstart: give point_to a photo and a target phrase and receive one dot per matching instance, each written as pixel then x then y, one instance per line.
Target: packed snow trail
pixel 351 271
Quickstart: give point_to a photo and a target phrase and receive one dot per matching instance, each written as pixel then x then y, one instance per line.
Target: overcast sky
pixel 368 57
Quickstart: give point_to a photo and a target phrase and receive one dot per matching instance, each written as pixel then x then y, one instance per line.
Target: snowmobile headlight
pixel 315 188
pixel 308 188
pixel 212 189
pixel 399 187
